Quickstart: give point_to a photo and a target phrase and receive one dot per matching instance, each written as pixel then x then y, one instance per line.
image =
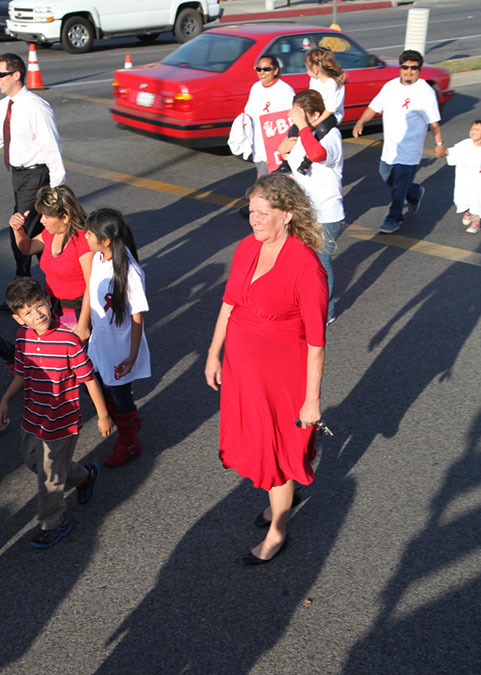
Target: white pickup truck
pixel 77 23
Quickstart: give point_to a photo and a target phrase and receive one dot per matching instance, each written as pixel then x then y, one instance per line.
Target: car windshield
pixel 210 51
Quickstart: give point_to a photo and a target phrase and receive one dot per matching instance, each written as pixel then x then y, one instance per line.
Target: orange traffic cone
pixel 128 61
pixel 34 77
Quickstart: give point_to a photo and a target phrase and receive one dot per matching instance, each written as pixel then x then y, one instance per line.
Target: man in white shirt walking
pixel 408 105
pixel 31 147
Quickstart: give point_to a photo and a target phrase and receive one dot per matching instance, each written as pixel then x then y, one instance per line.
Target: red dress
pixel 265 363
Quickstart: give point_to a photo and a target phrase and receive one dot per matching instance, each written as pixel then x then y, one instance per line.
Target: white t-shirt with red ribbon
pixel 407 110
pixel 263 100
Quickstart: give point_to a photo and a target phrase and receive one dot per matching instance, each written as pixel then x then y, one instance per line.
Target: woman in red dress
pixel 272 326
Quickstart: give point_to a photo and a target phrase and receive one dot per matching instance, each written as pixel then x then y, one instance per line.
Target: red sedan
pixel 192 95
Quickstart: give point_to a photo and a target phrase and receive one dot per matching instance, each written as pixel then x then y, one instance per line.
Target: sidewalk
pixel 253 10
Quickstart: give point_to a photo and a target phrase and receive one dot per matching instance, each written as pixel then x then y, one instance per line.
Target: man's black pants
pixel 25 183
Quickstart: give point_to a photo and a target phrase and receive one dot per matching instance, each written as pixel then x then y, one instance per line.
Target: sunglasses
pixel 266 70
pixel 411 67
pixel 7 73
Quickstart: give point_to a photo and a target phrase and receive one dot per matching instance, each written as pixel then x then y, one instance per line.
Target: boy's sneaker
pixel 467 218
pixel 475 225
pixel 414 208
pixel 85 492
pixel 47 538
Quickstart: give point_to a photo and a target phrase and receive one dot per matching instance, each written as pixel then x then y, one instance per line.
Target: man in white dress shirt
pixel 31 146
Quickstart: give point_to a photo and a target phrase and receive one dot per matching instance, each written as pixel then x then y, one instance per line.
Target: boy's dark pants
pixel 56 472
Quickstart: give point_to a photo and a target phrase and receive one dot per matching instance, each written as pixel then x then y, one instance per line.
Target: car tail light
pixel 118 91
pixel 181 101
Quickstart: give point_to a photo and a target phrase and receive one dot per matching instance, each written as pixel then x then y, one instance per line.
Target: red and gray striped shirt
pixel 52 365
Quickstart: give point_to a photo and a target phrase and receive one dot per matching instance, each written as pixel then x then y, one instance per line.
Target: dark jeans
pixel 399 177
pixel 25 186
pixel 122 395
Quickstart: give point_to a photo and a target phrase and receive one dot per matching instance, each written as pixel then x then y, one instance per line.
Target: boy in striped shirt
pixel 50 361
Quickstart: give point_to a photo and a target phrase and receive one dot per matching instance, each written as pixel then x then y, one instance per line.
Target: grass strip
pixel 461 65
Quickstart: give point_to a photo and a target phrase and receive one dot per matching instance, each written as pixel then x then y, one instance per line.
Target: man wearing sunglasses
pixel 31 149
pixel 408 106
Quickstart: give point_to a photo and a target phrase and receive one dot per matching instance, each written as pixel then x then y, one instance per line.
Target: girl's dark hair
pixel 58 202
pixel 310 101
pixel 274 62
pixel 110 224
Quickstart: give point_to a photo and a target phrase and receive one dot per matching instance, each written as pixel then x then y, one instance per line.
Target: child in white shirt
pixel 466 157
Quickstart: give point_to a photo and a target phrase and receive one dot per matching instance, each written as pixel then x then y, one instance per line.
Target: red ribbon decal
pixel 266 109
pixel 108 302
pixel 405 104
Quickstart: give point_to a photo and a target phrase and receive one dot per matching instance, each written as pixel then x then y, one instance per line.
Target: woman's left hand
pixel 309 414
pixel 124 367
pixel 82 332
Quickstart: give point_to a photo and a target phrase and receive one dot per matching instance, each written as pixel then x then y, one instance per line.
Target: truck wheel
pixel 187 25
pixel 77 35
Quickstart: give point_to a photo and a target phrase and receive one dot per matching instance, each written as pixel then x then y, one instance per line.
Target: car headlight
pixel 43 14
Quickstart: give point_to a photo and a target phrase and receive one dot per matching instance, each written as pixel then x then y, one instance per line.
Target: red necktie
pixel 6 135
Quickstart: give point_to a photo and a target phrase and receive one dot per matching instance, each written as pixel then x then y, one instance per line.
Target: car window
pixel 210 51
pixel 348 54
pixel 291 51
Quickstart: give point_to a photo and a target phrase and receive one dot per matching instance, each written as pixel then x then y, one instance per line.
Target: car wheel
pixel 77 35
pixel 187 25
pixel 151 37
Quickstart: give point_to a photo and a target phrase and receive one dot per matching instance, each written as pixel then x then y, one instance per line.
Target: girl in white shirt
pixel 466 157
pixel 327 77
pixel 117 347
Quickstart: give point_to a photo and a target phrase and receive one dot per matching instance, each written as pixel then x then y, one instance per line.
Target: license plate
pixel 145 98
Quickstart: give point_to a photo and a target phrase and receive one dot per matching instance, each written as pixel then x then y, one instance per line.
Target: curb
pixel 254 16
pixel 466 78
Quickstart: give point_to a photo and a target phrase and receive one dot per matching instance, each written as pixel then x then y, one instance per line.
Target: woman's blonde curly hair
pixel 285 194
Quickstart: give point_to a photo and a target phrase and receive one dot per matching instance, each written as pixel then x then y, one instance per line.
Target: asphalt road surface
pixel 383 571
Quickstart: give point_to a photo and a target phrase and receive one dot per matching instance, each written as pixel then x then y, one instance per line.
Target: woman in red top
pixel 66 258
pixel 272 326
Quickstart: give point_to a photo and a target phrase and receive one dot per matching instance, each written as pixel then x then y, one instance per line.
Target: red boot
pixel 127 446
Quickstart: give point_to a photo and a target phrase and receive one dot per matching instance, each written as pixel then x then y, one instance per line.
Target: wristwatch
pixel 439 143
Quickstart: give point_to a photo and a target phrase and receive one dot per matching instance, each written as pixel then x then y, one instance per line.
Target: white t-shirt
pixel 466 157
pixel 263 100
pixel 407 110
pixel 323 181
pixel 332 95
pixel 109 344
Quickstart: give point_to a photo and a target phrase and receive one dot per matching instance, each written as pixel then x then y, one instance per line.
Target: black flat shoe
pixel 251 559
pixel 260 521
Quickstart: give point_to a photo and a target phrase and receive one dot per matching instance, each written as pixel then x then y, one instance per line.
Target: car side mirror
pixel 373 60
